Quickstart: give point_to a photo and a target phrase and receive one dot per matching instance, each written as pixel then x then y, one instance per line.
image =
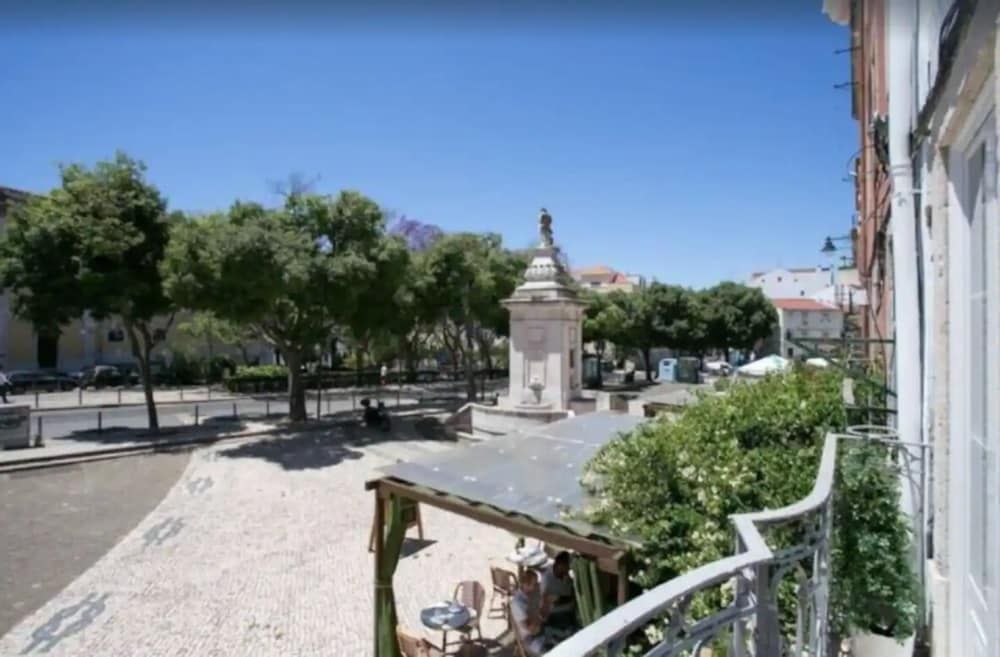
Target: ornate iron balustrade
pixel 750 624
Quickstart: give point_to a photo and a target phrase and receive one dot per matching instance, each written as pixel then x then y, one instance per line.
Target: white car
pixel 719 367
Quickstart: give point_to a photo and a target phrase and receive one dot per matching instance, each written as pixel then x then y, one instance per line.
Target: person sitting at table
pixel 557 591
pixel 527 611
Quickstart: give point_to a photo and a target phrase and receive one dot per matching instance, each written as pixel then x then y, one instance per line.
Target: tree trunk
pixel 600 368
pixel 470 363
pixel 726 352
pixel 142 347
pixel 647 361
pixel 296 391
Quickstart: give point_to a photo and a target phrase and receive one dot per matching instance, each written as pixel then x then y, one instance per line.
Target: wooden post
pixel 379 528
pixel 622 583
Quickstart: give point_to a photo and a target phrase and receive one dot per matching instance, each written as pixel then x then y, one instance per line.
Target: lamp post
pixel 829 250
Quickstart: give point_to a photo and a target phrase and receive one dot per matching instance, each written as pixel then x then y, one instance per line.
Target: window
pixel 979 453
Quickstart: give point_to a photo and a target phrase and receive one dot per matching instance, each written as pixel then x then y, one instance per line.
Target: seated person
pixel 370 416
pixel 528 615
pixel 558 594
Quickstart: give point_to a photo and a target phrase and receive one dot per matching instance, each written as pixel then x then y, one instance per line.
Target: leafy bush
pixel 260 372
pixel 675 483
pixel 183 370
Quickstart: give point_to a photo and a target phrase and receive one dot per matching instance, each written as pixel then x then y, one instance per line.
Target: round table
pixel 445 616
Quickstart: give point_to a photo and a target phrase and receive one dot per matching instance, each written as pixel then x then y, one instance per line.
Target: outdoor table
pixel 524 560
pixel 446 617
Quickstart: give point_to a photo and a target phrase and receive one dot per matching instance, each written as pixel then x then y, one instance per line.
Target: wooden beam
pixel 608 555
pixel 379 529
pixel 622 584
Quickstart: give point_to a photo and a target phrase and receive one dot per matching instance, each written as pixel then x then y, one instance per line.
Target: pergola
pixel 527 482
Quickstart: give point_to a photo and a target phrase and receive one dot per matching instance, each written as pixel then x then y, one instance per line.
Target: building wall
pixel 826 324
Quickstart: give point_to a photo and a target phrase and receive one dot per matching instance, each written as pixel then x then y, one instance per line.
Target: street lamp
pixel 829 250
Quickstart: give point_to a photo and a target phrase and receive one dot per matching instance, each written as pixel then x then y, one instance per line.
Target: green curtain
pixel 587 587
pixel 385 603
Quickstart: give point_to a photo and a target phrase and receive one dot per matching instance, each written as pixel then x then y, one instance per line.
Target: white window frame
pixel 980 125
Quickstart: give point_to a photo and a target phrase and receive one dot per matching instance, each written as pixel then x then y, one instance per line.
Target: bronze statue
pixel 545 228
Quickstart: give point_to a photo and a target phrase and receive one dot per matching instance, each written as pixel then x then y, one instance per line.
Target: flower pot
pixel 878 645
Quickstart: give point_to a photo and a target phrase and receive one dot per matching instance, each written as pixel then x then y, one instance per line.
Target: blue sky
pixel 690 148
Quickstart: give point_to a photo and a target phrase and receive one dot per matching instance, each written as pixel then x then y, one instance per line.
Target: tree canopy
pixel 93 245
pixel 291 273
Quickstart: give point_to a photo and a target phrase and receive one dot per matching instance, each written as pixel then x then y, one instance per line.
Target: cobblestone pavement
pixel 57 522
pixel 260 549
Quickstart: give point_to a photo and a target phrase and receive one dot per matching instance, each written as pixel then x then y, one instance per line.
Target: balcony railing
pixel 750 624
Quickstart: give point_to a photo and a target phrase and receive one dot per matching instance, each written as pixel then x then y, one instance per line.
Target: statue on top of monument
pixel 545 228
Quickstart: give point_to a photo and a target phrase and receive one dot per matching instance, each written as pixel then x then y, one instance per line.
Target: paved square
pixel 260 549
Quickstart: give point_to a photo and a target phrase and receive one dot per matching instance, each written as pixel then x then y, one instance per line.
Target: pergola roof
pixel 527 481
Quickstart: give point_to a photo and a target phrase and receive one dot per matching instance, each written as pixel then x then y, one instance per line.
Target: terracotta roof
pixel 596 270
pixel 801 304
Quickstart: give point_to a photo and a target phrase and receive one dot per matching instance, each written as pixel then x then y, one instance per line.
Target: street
pixel 83 423
pixel 58 522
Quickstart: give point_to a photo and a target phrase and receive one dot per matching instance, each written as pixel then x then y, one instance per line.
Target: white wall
pixel 789 284
pixel 808 324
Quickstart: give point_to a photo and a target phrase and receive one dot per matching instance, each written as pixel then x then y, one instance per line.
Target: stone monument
pixel 546 340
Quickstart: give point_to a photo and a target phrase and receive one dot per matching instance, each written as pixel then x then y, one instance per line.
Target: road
pixel 60 521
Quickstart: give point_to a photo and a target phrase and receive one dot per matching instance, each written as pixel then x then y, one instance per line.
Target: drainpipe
pixel 901 30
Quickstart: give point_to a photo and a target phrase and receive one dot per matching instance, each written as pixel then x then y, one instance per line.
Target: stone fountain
pixel 546 341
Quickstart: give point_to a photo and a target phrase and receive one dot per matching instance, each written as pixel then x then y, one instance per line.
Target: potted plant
pixel 874 591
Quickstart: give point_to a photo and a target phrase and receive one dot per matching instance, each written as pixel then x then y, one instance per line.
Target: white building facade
pixel 944 245
pixel 804 318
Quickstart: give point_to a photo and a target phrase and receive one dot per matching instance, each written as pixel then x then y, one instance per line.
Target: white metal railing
pixel 750 623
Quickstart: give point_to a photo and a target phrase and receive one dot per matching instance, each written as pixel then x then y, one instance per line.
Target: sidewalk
pixel 113 443
pixel 116 443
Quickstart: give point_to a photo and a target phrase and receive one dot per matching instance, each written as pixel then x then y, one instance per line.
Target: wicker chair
pixel 414 646
pixel 504 586
pixel 472 595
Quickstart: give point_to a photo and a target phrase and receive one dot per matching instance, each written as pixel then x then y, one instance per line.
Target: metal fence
pixel 95 423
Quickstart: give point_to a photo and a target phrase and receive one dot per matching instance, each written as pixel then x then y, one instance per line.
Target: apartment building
pixel 934 64
pixel 603 279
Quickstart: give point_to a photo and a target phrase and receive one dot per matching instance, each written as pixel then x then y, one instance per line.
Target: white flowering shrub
pixel 674 484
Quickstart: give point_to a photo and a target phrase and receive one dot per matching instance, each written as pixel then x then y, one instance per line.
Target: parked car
pixel 100 376
pixel 23 381
pixel 129 373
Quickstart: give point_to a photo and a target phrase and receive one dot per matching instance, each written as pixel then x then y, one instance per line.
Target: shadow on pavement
pixel 299 451
pixel 413 545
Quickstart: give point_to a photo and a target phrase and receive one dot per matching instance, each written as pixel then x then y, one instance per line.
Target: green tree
pixel 204 325
pixel 602 324
pixel 94 244
pixel 291 274
pixel 737 317
pixel 467 276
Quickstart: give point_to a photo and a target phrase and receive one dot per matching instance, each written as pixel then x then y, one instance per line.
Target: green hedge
pixel 274 378
pixel 675 483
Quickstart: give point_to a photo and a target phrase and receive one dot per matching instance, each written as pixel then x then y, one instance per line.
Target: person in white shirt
pixel 528 613
pixel 384 374
pixel 4 385
pixel 557 589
